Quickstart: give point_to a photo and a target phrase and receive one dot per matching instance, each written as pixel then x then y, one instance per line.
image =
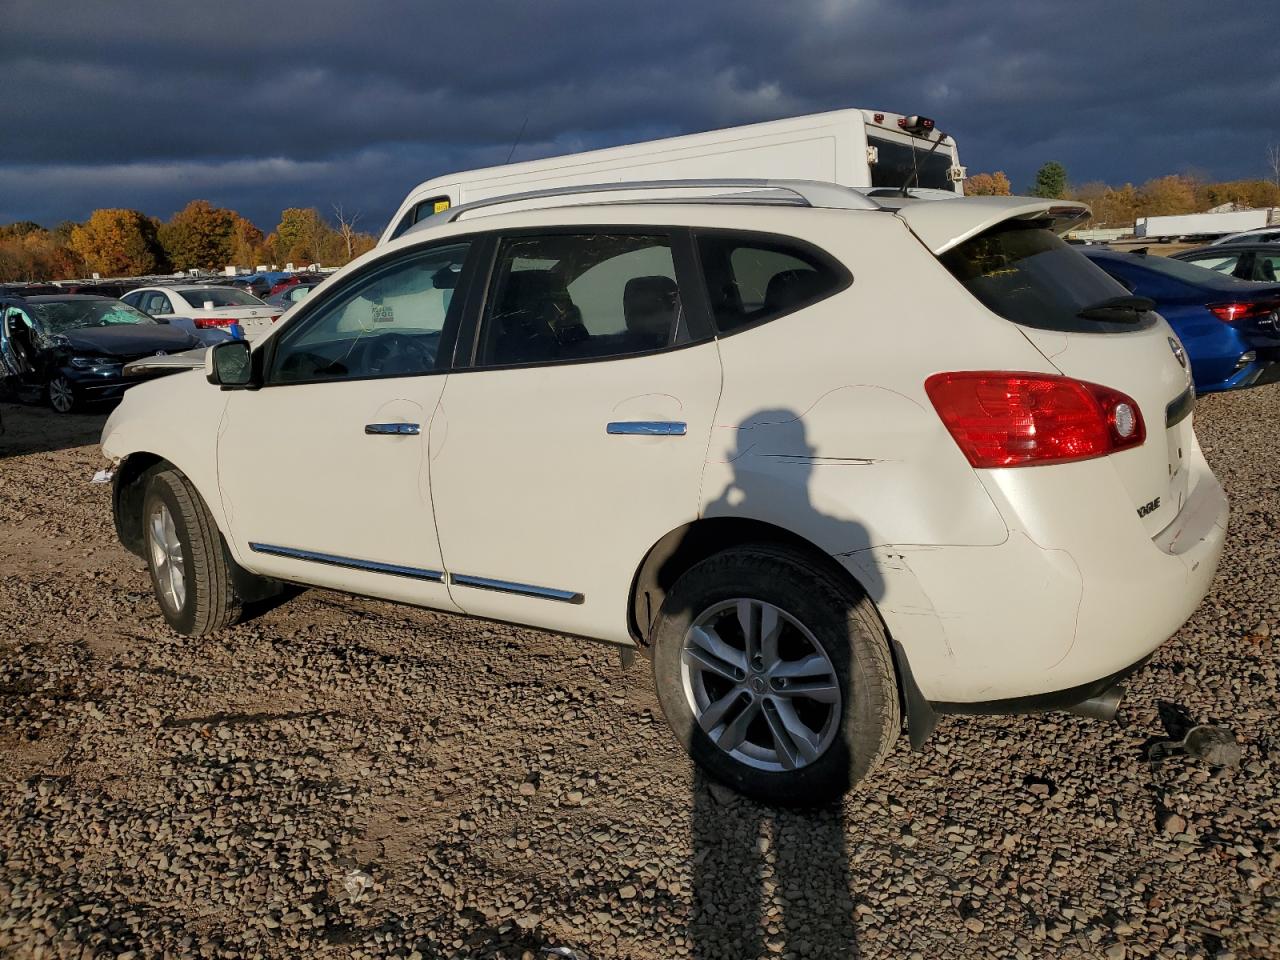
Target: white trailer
pixel 867 149
pixel 1199 225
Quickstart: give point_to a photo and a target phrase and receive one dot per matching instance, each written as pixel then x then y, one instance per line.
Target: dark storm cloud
pixel 150 103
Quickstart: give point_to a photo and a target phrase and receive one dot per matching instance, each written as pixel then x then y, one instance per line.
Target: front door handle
pixel 392 429
pixel 646 428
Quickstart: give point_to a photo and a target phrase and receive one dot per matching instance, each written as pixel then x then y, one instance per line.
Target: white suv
pixel 824 459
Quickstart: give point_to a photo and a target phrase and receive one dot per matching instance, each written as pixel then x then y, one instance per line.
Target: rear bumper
pixel 1078 594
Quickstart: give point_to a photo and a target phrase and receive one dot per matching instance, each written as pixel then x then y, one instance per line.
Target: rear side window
pixel 753 279
pixel 581 297
pixel 1028 275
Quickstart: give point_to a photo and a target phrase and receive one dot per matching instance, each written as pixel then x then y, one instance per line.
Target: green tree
pixel 200 235
pixel 118 242
pixel 1051 181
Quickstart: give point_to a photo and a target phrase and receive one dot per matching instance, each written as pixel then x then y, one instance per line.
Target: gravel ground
pixel 342 777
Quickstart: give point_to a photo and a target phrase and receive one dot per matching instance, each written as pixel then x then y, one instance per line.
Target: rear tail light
pixel 205 323
pixel 1023 419
pixel 1231 312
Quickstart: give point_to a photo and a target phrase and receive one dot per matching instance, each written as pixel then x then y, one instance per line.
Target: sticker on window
pixel 440 206
pixel 383 314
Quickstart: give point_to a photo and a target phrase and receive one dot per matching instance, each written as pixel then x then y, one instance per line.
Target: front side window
pixel 579 297
pixel 388 322
pixel 753 279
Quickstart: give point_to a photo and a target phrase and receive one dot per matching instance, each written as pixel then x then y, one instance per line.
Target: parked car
pixel 1259 262
pixel 257 286
pixel 1256 235
pixel 71 349
pixel 293 294
pixel 1230 328
pixel 207 306
pixel 821 457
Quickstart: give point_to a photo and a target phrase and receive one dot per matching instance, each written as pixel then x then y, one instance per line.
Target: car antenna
pixel 519 136
pixel 915 169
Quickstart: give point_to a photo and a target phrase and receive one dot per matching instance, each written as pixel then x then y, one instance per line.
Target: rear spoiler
pixel 941 224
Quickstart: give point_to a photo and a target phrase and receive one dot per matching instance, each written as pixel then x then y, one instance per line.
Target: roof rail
pixel 803 193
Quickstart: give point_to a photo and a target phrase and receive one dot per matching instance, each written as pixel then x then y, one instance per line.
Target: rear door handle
pixel 646 428
pixel 392 429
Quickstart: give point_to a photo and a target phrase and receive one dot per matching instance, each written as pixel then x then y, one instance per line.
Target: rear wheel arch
pixel 693 542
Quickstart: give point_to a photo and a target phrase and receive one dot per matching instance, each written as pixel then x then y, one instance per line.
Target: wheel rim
pixel 61 395
pixel 166 558
pixel 760 685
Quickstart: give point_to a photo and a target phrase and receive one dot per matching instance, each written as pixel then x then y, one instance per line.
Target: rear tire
pixel 191 573
pixel 816 708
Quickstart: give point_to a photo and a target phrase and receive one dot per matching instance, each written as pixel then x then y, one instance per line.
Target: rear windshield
pixel 1028 275
pixel 898 165
pixel 219 297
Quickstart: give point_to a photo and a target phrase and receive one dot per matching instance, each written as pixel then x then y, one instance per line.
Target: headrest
pixel 790 287
pixel 650 306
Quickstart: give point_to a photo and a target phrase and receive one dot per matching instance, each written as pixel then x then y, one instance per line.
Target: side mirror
pixel 230 365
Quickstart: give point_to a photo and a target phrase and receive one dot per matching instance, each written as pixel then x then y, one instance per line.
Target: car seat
pixel 650 310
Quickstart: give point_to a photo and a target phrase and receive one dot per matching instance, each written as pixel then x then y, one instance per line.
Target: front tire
pixel 61 394
pixel 776 675
pixel 191 574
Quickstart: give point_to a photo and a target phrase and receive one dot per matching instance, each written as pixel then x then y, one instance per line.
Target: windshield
pixel 219 297
pixel 1030 276
pixel 895 166
pixel 59 316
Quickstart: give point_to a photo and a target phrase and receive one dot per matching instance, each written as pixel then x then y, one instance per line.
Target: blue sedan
pixel 1231 328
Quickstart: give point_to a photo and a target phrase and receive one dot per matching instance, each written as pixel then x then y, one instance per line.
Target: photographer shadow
pixel 776 881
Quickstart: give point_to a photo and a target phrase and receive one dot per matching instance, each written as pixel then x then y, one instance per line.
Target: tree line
pixel 127 243
pixel 1120 206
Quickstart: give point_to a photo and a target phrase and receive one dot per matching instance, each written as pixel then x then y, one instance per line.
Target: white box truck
pixel 871 150
pixel 1202 226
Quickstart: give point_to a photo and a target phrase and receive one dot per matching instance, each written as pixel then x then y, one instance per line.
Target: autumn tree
pixel 988 185
pixel 200 235
pixel 249 247
pixel 1051 181
pixel 299 237
pixel 118 242
pixel 1169 195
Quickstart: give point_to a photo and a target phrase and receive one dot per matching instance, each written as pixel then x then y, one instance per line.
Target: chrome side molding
pixel 392 429
pixel 374 566
pixel 646 428
pixel 520 589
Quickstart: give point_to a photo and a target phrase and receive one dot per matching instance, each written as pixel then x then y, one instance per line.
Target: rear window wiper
pixel 1125 309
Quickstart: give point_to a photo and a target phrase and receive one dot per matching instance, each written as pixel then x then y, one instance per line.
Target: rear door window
pixel 752 279
pixel 1032 277
pixel 582 297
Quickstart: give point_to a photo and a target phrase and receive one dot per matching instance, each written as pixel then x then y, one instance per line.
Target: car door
pixel 323 471
pixel 579 434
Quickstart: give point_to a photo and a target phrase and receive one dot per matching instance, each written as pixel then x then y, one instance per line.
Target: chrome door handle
pixel 646 428
pixel 392 429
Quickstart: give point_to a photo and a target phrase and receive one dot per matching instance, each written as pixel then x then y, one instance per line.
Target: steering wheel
pixel 391 353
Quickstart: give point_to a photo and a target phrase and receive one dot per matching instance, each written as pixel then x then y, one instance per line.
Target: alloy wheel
pixel 760 685
pixel 62 396
pixel 166 558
